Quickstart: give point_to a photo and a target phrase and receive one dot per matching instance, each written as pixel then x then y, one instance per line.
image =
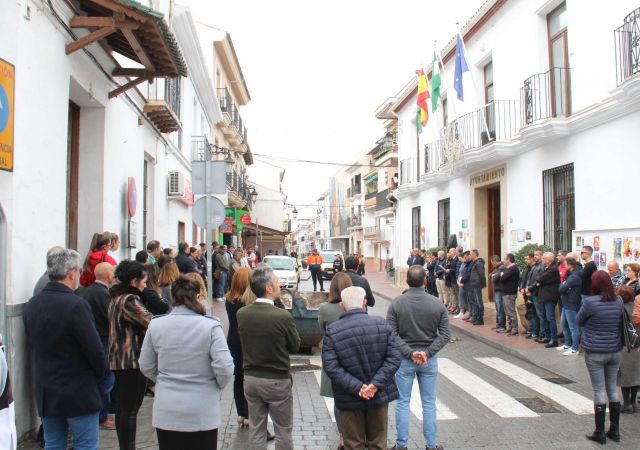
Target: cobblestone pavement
pixel 488 398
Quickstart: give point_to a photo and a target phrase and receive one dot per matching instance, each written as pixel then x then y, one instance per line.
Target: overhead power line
pixel 308 161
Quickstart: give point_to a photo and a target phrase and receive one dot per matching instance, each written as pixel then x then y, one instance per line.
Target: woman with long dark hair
pixel 128 322
pixel 185 353
pixel 168 274
pixel 153 301
pixel 329 313
pixel 601 319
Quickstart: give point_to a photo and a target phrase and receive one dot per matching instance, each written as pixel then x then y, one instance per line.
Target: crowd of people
pixel 568 285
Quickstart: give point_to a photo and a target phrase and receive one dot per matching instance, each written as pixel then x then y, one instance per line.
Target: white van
pixel 286 270
pixel 328 257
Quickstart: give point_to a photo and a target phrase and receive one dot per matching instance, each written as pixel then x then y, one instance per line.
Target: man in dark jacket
pixel 451 280
pixel 497 266
pixel 67 355
pixel 570 294
pixel 587 270
pixel 547 287
pixel 477 281
pixel 97 295
pixel 463 293
pixel 415 258
pixel 432 260
pixel 509 276
pixel 351 264
pixel 422 324
pixel 360 354
pixel 532 291
pixel 441 270
pixel 183 260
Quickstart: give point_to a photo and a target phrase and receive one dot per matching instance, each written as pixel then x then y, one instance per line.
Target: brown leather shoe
pixel 107 425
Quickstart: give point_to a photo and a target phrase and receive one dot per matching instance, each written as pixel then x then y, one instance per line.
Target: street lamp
pixel 388 140
pixel 294 213
pixel 253 195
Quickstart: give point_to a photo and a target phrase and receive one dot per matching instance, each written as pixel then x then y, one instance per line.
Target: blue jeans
pixel 501 320
pixel 570 329
pixel 550 313
pixel 221 284
pixel 603 371
pixel 462 298
pixel 477 305
pixel 105 385
pixel 427 378
pixel 83 428
pixel 544 325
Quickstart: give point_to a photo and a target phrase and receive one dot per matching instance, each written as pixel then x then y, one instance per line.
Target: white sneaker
pixel 466 315
pixel 570 353
pixel 563 348
pixel 457 316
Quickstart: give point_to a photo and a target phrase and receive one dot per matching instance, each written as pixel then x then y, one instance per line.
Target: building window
pixel 488 82
pixel 145 203
pixel 371 186
pixel 488 133
pixel 181 233
pixel 444 220
pixel 558 206
pixel 415 227
pixel 559 62
pixel 445 112
pixel 356 185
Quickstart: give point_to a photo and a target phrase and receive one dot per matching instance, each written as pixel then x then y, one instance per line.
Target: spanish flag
pixel 423 97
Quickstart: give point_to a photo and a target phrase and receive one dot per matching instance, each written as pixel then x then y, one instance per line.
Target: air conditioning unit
pixel 176 184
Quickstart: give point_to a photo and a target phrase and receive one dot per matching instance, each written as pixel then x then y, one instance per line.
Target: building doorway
pixel 493 232
pixel 73 166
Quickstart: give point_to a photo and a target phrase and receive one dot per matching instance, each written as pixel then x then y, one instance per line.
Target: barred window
pixel 558 206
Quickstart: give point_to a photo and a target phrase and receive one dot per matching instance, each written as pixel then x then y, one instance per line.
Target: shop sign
pixel 7 90
pixel 188 198
pixel 245 219
pixel 132 196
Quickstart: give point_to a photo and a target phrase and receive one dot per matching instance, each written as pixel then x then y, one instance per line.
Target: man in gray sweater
pixel 422 324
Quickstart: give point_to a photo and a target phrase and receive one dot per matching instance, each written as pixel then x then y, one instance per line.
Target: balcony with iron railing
pixel 498 121
pixel 371 232
pixel 381 200
pixel 163 104
pixel 627 43
pixel 546 95
pixel 355 221
pixel 233 126
pixel 386 148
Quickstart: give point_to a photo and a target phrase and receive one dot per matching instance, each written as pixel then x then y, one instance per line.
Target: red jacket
pixel 88 276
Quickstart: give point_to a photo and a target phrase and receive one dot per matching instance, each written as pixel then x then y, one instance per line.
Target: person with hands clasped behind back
pixel 360 354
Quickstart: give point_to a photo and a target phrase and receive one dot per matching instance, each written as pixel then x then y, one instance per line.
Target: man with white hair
pixel 617 277
pixel 44 279
pixel 67 354
pixel 360 354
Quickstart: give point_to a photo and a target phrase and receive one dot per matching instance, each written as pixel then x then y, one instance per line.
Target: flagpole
pixel 473 80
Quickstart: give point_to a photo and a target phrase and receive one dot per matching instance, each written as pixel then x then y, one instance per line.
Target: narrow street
pixel 487 398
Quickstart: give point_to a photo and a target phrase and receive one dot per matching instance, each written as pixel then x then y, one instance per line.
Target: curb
pixel 497 345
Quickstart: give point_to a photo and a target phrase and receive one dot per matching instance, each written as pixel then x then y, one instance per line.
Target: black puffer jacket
pixel 361 349
pixel 478 278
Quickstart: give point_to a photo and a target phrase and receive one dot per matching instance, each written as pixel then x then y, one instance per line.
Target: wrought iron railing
pixel 172 94
pixel 546 95
pixel 224 97
pixel 200 148
pixel 369 195
pixel 627 41
pixel 227 106
pixel 355 221
pixel 370 230
pixel 381 200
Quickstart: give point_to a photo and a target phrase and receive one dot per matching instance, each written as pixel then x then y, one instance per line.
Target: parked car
pixel 328 257
pixel 286 269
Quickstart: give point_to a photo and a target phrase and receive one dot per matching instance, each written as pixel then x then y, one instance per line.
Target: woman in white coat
pixel 186 354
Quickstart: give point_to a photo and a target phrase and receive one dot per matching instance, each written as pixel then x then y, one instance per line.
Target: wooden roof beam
pixel 139 49
pixel 99 22
pixel 90 39
pixel 129 85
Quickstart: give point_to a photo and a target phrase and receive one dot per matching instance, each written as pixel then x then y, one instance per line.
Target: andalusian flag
pixel 423 96
pixel 435 83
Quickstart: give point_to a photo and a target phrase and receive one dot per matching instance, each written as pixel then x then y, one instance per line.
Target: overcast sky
pixel 317 70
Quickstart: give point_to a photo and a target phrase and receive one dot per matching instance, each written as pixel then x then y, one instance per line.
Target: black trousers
pixel 238 395
pixel 129 392
pixel 316 275
pixel 180 440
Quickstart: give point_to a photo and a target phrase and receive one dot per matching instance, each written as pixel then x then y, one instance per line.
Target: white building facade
pixel 101 141
pixel 534 154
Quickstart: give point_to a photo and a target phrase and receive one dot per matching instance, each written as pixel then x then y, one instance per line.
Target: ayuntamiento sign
pixel 7 84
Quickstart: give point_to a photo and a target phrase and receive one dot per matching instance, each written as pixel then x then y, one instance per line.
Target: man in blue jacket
pixel 571 296
pixel 360 354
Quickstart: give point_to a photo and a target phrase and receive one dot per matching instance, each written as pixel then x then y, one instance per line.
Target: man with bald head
pixel 97 295
pixel 44 279
pixel 617 277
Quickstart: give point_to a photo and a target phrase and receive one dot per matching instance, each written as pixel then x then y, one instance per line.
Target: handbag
pixel 631 335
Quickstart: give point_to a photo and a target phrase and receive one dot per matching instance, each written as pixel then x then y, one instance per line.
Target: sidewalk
pixel 571 367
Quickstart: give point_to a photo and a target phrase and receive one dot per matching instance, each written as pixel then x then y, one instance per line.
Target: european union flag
pixel 461 68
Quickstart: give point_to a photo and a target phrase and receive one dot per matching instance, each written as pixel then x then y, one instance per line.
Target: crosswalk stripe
pixel 493 398
pixel 570 400
pixel 415 405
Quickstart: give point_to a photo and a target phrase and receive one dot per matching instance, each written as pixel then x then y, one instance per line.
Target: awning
pixel 135 31
pixel 371 179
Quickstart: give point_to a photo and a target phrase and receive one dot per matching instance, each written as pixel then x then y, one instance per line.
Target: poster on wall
pixel 617 248
pixel 636 249
pixel 626 248
pixel 596 243
pixel 603 259
pixel 578 241
pixel 596 259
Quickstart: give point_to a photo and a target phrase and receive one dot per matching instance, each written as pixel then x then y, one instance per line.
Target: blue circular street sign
pixel 4 109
